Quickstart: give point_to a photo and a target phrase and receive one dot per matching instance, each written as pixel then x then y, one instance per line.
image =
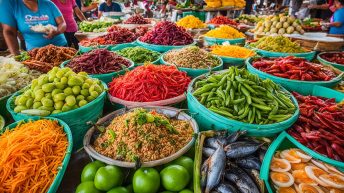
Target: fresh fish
pixel 226 188
pixel 241 179
pixel 234 136
pixel 216 166
pixel 207 152
pixel 255 176
pixel 204 170
pixel 241 149
pixel 212 141
pixel 250 162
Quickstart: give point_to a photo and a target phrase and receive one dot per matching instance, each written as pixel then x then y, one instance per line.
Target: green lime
pixel 119 189
pixel 175 178
pixel 90 170
pixel 87 187
pixel 146 180
pixel 186 162
pixel 186 191
pixel 108 177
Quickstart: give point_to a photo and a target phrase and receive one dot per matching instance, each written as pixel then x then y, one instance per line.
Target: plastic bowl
pixel 323 61
pixel 169 111
pixel 302 87
pixel 192 71
pixel 160 48
pixel 211 41
pixel 209 120
pixel 232 61
pixel 307 55
pixel 84 49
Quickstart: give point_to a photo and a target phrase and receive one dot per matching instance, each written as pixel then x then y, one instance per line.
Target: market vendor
pixel 337 25
pixel 21 15
pixel 109 6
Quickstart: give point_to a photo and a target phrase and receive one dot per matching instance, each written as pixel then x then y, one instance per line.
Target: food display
pixel 222 20
pixel 232 51
pixel 31 155
pixel 239 95
pixel 232 163
pixel 292 171
pixel 277 44
pixel 311 25
pixel 60 90
pixel 320 125
pixel 340 87
pixel 153 136
pixel 167 33
pixel 99 25
pixel 225 32
pixel 149 83
pixel 191 22
pixel 334 57
pixel 278 24
pixel 249 19
pixel 45 58
pixel 117 35
pixel 225 3
pixel 294 68
pixel 99 61
pixel 139 54
pixel 191 57
pixel 14 76
pixel 42 28
pixel 137 19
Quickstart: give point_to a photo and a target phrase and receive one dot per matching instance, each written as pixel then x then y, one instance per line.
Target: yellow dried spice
pixel 232 51
pixel 191 22
pixel 225 32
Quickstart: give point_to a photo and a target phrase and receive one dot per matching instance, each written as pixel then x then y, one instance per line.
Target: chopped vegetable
pixel 139 54
pixel 191 22
pixel 225 32
pixel 277 44
pixel 232 51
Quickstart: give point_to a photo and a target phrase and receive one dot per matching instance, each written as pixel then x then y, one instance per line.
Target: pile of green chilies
pixel 242 96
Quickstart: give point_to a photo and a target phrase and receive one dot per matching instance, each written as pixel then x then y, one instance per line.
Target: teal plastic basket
pixel 120 47
pixel 195 72
pixel 323 61
pixel 285 141
pixel 55 184
pixel 302 87
pixel 208 120
pixel 106 77
pixel 78 119
pixel 307 55
pixel 212 41
pixel 233 61
pixel 160 48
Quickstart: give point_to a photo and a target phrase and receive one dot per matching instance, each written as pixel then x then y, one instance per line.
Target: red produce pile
pixel 116 35
pixel 137 19
pixel 334 57
pixel 100 61
pixel 320 125
pixel 221 20
pixel 167 33
pixel 294 68
pixel 150 83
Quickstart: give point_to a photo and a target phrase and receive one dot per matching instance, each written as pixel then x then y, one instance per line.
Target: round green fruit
pixel 175 178
pixel 146 180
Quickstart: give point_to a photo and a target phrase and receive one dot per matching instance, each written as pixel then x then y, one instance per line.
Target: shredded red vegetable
pixel 150 83
pixel 137 19
pixel 222 20
pixel 335 57
pixel 100 61
pixel 116 35
pixel 167 33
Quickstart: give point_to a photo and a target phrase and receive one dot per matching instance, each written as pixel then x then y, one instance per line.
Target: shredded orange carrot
pixel 30 156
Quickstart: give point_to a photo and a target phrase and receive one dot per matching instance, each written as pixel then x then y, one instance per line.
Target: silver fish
pixel 241 179
pixel 241 149
pixel 207 152
pixel 250 162
pixel 216 166
pixel 226 188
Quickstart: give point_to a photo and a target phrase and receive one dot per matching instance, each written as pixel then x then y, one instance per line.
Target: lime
pixel 108 177
pixel 146 180
pixel 87 187
pixel 186 162
pixel 186 191
pixel 119 189
pixel 90 170
pixel 175 178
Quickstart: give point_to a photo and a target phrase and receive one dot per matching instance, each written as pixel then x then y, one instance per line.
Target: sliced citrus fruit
pixel 282 179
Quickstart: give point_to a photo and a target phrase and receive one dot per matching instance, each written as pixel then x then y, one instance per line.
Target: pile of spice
pixel 139 54
pixel 334 57
pixel 116 35
pixel 222 20
pixel 277 44
pixel 191 22
pixel 192 57
pixel 225 32
pixel 137 19
pixel 167 33
pixel 232 51
pixel 150 83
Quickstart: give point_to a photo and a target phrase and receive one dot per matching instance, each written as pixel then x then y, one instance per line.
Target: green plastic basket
pixel 307 55
pixel 77 119
pixel 208 120
pixel 55 184
pixel 117 48
pixel 160 48
pixel 194 72
pixel 302 87
pixel 211 41
pixel 106 77
pixel 323 61
pixel 285 141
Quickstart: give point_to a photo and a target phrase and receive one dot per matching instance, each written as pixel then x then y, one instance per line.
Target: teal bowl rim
pixel 295 114
pixel 323 61
pixel 11 100
pixel 211 39
pixel 334 80
pixel 114 49
pixel 282 53
pixel 190 69
pixel 163 46
pixel 58 178
pixel 107 46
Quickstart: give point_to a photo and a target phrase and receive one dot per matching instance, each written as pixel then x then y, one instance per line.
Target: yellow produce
pixel 236 3
pixel 191 22
pixel 225 32
pixel 232 51
pixel 278 24
pixel 213 3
